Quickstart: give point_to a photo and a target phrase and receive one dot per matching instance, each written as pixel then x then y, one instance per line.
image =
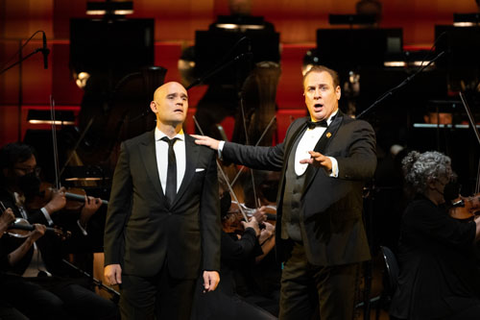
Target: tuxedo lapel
pixel 147 152
pixel 191 154
pixel 291 141
pixel 321 146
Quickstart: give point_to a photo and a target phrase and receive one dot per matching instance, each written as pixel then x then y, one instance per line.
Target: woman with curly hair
pixel 438 270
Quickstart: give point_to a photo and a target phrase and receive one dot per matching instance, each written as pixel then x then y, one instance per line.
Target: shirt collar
pixel 159 134
pixel 330 119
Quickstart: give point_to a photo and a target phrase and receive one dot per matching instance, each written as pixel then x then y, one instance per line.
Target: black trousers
pixel 55 298
pixel 308 290
pixel 220 305
pixel 158 297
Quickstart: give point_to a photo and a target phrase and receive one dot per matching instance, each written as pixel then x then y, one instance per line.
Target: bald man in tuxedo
pixel 163 223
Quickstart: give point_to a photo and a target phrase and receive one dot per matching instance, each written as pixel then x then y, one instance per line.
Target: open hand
pixel 318 160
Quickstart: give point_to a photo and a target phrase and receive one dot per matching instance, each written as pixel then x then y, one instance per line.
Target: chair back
pixel 391 274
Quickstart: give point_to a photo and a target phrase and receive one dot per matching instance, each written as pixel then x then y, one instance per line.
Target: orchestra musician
pixel 44 288
pixel 242 243
pixel 320 234
pixel 163 222
pixel 7 311
pixel 438 271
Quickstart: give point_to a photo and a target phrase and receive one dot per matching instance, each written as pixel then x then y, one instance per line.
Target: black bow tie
pixel 312 125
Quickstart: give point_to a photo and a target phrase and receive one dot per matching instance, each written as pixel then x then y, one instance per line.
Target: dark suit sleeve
pixel 118 209
pixel 261 158
pixel 360 161
pixel 210 219
pixel 240 249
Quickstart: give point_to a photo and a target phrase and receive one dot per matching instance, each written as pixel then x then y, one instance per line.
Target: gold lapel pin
pixel 329 134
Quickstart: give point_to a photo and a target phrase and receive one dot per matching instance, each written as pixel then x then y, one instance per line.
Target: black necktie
pixel 171 189
pixel 312 124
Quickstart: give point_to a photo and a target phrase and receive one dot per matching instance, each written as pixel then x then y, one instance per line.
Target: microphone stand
pixel 401 85
pixel 23 58
pixel 216 70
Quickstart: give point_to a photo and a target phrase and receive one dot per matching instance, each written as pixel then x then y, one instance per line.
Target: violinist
pixel 47 291
pixel 7 311
pixel 238 249
pixel 438 277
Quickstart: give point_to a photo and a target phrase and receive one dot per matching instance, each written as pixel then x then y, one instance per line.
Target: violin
pixel 20 228
pixel 75 198
pixel 465 207
pixel 232 222
pixel 269 211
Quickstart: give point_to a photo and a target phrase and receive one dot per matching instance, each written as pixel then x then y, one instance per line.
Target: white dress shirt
pixel 161 151
pixel 307 143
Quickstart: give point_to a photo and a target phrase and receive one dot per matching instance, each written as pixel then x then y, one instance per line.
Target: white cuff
pixel 84 231
pixel 334 172
pixel 47 216
pixel 221 144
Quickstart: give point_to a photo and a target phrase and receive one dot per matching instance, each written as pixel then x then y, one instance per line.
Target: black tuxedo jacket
pixel 142 231
pixel 331 224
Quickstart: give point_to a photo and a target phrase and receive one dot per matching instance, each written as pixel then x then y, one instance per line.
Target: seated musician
pixel 47 291
pixel 7 311
pixel 439 277
pixel 236 251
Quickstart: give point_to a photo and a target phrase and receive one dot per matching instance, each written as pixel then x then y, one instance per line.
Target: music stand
pixel 214 48
pixel 352 19
pixel 466 19
pixel 347 49
pixel 462 47
pixel 114 48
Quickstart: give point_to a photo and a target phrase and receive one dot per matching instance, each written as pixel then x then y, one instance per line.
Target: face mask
pixel 29 184
pixel 452 190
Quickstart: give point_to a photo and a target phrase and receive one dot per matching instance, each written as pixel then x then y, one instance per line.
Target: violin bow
pixel 224 176
pixel 2 206
pixel 477 134
pixel 247 141
pixel 54 143
pixel 256 145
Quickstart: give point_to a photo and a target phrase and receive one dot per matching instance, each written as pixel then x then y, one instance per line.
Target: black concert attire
pixel 48 291
pixel 439 276
pixel 320 234
pixel 162 244
pixel 224 302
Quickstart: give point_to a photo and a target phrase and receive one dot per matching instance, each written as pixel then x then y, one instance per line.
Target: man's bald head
pixel 172 85
pixel 170 104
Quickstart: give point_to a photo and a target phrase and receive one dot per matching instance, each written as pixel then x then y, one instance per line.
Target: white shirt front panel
pixel 161 151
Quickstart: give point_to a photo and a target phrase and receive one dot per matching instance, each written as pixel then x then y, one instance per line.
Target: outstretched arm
pixel 206 141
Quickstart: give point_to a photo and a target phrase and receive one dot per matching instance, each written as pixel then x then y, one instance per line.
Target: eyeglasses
pixel 28 170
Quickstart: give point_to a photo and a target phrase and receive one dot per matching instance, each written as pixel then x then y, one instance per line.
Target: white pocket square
pixel 199 169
